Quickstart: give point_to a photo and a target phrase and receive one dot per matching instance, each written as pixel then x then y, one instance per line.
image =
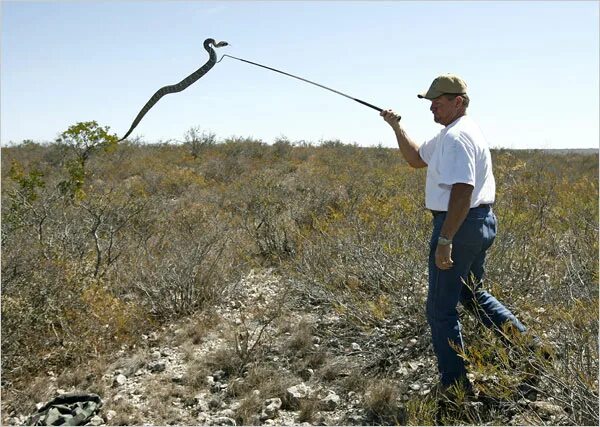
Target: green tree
pixel 83 138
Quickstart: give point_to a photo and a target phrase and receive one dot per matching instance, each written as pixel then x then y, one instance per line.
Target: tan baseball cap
pixel 446 83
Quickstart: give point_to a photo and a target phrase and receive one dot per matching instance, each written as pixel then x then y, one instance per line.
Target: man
pixel 459 191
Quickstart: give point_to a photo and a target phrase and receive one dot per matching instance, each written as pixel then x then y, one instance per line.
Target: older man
pixel 459 191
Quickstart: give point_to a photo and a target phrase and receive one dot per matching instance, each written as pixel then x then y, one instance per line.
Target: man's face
pixel 444 111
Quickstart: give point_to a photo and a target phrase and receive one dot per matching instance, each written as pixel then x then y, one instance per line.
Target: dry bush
pixel 196 327
pixel 267 378
pixel 248 412
pixel 156 234
pixel 71 267
pixel 197 140
pixel 185 270
pixel 381 403
pixel 364 255
pixel 308 411
pixel 300 342
pixel 127 414
pixel 421 412
pixel 245 341
pixel 262 381
pixel 565 373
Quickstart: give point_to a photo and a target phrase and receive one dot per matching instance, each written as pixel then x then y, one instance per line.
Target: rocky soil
pixel 267 357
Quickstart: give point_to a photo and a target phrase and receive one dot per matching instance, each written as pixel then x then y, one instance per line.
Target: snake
pixel 182 85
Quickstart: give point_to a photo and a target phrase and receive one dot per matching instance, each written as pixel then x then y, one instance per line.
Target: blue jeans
pixel 462 283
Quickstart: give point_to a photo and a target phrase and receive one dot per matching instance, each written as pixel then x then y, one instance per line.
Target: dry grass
pixel 248 413
pixel 382 403
pixel 309 409
pixel 94 257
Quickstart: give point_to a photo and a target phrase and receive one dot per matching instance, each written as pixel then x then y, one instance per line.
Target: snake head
pixel 209 42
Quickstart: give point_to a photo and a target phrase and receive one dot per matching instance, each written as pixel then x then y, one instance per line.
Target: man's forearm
pixel 408 148
pixel 458 208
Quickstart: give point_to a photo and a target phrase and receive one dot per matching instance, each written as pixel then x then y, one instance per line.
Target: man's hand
pixel 391 118
pixel 443 259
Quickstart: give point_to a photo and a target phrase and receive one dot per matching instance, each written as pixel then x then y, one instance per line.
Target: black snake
pixel 208 45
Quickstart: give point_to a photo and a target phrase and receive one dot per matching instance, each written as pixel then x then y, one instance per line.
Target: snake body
pixel 178 87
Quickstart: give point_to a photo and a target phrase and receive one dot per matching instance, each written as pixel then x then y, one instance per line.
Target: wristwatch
pixel 443 241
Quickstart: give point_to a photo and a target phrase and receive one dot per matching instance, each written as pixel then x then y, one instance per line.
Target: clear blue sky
pixel 532 68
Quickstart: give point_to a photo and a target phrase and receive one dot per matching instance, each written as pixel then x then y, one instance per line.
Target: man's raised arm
pixel 409 149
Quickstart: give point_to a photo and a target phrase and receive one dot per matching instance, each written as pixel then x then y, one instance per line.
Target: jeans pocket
pixel 470 233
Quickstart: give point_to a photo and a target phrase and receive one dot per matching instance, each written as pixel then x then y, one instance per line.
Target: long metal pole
pixel 307 81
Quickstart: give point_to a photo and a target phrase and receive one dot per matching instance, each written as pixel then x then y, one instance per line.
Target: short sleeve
pixel 458 162
pixel 426 150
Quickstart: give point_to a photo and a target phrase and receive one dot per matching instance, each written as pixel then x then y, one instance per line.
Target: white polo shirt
pixel 458 154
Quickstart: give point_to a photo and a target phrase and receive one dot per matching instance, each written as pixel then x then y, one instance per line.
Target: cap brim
pixel 429 95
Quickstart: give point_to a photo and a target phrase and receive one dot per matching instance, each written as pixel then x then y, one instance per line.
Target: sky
pixel 531 68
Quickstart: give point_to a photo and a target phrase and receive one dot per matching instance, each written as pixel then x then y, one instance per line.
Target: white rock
pixel 330 402
pixel 270 408
pixel 402 371
pixel 547 408
pixel 96 421
pixel 222 421
pixel 111 414
pixel 229 413
pixel 119 380
pixel 118 397
pixel 296 393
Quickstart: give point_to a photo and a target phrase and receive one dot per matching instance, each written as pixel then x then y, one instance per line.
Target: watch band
pixel 443 241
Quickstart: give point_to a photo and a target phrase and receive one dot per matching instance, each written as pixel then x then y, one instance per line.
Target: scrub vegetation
pixel 104 243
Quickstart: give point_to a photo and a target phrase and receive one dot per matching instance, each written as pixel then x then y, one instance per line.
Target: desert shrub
pixel 57 253
pixel 248 412
pixel 364 253
pixel 184 268
pixel 196 140
pixel 154 234
pixel 265 213
pixel 568 377
pixel 382 405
